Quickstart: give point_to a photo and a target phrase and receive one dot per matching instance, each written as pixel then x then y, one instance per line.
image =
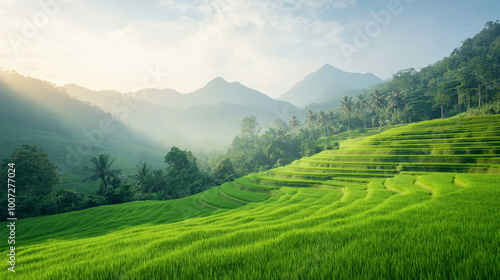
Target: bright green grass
pixel 212 198
pixel 280 225
pixel 229 190
pixel 324 233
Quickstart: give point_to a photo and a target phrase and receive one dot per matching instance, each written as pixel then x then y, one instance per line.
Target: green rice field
pixel 420 201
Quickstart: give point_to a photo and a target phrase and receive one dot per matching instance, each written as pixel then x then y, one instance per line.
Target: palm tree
pixel 280 134
pixel 346 108
pixel 142 173
pixel 361 104
pixel 310 118
pixel 396 100
pixel 101 170
pixel 294 123
pixel 378 103
pixel 156 182
pixel 115 181
pixel 322 120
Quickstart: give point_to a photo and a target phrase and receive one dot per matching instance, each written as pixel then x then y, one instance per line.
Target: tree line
pixel 36 176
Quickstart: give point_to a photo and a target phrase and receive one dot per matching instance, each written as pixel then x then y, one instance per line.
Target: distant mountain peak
pixel 217 82
pixel 325 83
pixel 327 66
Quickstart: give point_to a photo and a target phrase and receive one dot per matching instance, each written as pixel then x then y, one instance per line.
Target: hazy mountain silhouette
pixel 69 130
pixel 327 83
pixel 207 117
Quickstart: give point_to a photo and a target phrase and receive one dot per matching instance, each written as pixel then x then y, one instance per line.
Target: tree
pixel 35 173
pixel 156 182
pixel 361 105
pixel 225 172
pixel 396 100
pixel 397 104
pixel 378 102
pixel 115 181
pixel 249 126
pixel 182 171
pixel 311 118
pixel 322 119
pixel 346 108
pixel 294 123
pixel 101 171
pixel 142 174
pixel 441 98
pixel 179 160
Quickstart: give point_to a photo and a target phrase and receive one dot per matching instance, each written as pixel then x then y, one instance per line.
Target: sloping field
pixel 413 202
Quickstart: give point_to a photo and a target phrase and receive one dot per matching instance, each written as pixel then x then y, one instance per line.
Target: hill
pixel 70 131
pixel 468 78
pixel 414 200
pixel 328 83
pixel 102 98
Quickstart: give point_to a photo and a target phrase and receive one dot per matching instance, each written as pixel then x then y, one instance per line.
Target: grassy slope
pixel 376 214
pixel 33 112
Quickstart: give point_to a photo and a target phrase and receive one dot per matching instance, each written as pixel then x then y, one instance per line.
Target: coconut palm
pixel 280 134
pixel 294 123
pixel 378 103
pixel 115 181
pixel 311 118
pixel 156 182
pixel 101 170
pixel 361 104
pixel 396 100
pixel 142 173
pixel 346 106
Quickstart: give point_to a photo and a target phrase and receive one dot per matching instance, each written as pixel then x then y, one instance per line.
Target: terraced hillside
pixel 464 145
pixel 413 202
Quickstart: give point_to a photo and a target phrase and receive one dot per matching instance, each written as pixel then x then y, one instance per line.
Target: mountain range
pixel 210 116
pixel 207 117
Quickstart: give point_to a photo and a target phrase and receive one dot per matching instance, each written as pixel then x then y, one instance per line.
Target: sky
pixel 266 45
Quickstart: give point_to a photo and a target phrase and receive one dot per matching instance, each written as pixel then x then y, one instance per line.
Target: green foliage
pixel 35 173
pixel 142 174
pixel 488 109
pixel 249 126
pixel 225 171
pixel 100 169
pixel 120 194
pixel 310 148
pixel 183 176
pixel 156 181
pixel 469 76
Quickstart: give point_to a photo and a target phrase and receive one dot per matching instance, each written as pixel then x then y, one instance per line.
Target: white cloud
pixel 265 46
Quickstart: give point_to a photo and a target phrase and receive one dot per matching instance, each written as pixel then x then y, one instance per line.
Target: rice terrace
pixel 418 201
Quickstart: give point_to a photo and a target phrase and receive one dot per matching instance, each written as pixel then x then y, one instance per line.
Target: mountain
pixel 69 130
pixel 214 92
pixel 207 118
pixel 219 90
pixel 102 98
pixel 327 83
